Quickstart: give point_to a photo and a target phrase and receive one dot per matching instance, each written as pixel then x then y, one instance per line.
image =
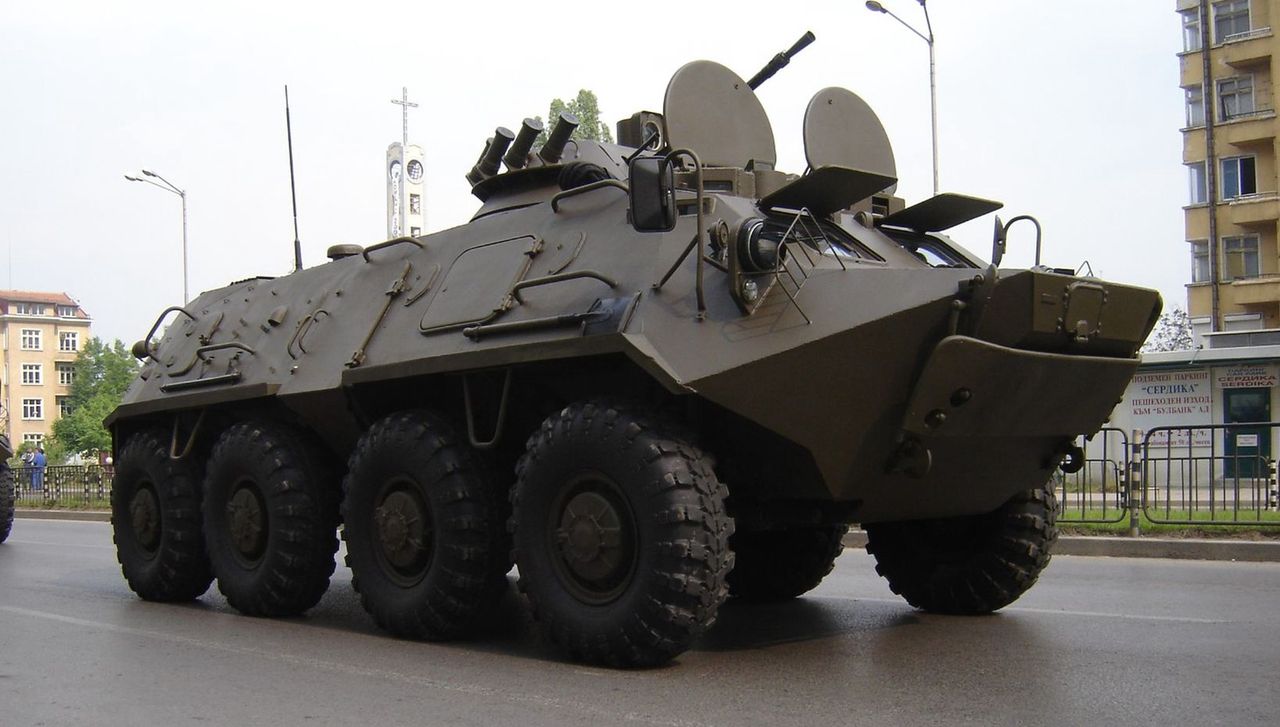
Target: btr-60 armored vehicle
pixel 655 375
pixel 7 493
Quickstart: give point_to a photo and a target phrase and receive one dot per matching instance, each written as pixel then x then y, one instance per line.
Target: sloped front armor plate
pixel 985 390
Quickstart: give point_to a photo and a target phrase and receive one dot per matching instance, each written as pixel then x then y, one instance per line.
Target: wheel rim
pixel 402 532
pixel 592 539
pixel 144 517
pixel 247 523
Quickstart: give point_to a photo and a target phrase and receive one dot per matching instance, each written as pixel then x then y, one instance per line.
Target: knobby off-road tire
pixel 621 535
pixel 778 565
pixel 968 565
pixel 425 527
pixel 270 519
pixel 6 501
pixel 155 519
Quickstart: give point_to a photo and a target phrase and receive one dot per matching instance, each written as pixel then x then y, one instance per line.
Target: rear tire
pixel 425 527
pixel 270 519
pixel 156 523
pixel 6 501
pixel 778 565
pixel 968 565
pixel 621 535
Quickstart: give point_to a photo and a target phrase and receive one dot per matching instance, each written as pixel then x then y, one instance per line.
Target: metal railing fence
pixel 74 486
pixel 1198 475
pixel 1210 474
pixel 1100 491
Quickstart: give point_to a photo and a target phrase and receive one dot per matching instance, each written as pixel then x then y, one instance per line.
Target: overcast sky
pixel 1067 111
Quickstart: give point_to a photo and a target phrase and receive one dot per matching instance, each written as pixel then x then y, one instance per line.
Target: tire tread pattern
pixel 1011 547
pixel 180 570
pixel 473 551
pixel 778 565
pixel 693 558
pixel 7 495
pixel 301 497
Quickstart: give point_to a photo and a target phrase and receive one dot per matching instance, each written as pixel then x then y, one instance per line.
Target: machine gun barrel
pixel 781 60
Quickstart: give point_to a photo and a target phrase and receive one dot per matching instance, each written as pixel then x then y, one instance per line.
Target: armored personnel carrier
pixel 7 493
pixel 655 375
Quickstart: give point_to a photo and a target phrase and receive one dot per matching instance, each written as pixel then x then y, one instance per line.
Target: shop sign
pixel 1245 376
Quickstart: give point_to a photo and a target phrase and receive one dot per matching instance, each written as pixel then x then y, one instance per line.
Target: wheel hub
pixel 248 523
pixel 593 545
pixel 403 533
pixel 144 516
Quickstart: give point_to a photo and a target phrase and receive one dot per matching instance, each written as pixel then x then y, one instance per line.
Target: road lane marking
pixel 603 714
pixel 1056 612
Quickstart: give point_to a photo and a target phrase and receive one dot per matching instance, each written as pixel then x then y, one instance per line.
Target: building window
pixel 66 374
pixel 1235 97
pixel 30 309
pixel 1230 18
pixel 69 341
pixel 1238 177
pixel 36 438
pixel 67 311
pixel 30 339
pixel 1241 256
pixel 1200 261
pixel 32 373
pixel 32 409
pixel 1199 185
pixel 415 204
pixel 64 405
pixel 1191 30
pixel 1195 106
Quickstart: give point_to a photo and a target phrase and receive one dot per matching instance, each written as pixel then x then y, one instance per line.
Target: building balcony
pixel 1247 49
pixel 1253 209
pixel 1247 128
pixel 1255 291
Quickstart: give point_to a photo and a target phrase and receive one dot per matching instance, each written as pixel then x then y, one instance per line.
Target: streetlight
pixel 933 87
pixel 170 187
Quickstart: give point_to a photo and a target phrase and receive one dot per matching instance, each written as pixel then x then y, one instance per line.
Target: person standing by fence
pixel 37 470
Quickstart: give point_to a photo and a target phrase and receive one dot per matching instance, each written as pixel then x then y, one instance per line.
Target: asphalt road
pixel 1098 640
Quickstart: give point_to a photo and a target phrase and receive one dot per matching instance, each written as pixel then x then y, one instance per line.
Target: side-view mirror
pixel 998 242
pixel 653 197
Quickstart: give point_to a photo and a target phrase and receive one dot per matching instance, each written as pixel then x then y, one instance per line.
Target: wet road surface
pixel 1098 640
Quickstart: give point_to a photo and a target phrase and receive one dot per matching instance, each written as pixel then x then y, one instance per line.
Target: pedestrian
pixel 37 474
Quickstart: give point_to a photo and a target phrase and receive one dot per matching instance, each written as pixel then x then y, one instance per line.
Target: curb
pixel 82 515
pixel 1255 551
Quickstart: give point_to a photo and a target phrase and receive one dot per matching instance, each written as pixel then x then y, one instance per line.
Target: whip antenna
pixel 293 188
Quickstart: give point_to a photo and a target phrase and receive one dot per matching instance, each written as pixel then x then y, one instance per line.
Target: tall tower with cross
pixel 406 204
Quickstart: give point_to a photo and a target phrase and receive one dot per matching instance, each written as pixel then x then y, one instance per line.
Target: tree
pixel 1172 333
pixel 587 109
pixel 102 373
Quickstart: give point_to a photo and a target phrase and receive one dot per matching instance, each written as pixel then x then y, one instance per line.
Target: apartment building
pixel 1228 64
pixel 42 333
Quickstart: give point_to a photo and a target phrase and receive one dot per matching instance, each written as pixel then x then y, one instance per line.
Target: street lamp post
pixel 875 6
pixel 168 186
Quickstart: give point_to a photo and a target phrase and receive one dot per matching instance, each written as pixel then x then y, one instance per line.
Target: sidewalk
pixel 1261 551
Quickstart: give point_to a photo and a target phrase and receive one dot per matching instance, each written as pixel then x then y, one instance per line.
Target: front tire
pixel 155 520
pixel 621 535
pixel 778 565
pixel 270 519
pixel 968 565
pixel 6 501
pixel 425 527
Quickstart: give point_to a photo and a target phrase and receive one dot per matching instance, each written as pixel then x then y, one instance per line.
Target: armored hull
pixel 628 353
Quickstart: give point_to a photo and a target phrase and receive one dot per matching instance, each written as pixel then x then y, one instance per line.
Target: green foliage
pixel 587 109
pixel 102 373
